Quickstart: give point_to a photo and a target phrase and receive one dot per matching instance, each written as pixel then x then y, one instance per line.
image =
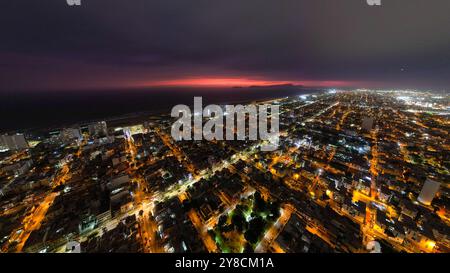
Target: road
pixel 271 235
pixel 35 216
pixel 143 204
pixel 203 233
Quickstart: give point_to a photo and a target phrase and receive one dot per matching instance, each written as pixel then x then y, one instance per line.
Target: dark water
pixel 44 110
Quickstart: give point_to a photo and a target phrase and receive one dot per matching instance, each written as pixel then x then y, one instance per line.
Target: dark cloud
pixel 47 44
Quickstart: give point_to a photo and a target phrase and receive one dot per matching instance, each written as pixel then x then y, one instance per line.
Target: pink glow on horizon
pixel 241 82
pixel 215 82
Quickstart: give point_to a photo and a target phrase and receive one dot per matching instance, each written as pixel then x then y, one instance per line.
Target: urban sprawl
pixel 355 171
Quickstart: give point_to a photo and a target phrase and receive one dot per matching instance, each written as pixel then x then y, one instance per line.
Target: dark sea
pixel 31 111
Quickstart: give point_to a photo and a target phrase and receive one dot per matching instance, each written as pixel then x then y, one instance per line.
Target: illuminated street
pixel 345 174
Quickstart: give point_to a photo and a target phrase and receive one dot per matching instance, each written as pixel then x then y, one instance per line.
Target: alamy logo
pixel 374 2
pixel 73 2
pixel 234 116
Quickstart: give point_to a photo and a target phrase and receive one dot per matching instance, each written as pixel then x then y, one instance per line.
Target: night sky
pixel 47 45
pixel 62 64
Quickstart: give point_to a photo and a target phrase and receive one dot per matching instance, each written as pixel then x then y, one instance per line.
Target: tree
pixel 222 220
pixel 238 220
pixel 260 204
pixel 274 210
pixel 255 229
pixel 248 248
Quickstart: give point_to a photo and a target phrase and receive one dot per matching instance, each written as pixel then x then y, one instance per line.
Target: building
pixel 384 194
pixel 70 134
pixel 13 142
pixel 429 190
pixel 3 143
pixel 98 129
pixel 18 168
pixel 367 124
pixel 118 181
pixel 133 130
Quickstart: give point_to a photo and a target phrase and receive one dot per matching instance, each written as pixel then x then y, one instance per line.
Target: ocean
pixel 25 111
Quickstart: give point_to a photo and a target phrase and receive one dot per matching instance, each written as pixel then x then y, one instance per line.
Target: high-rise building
pixel 3 146
pixel 69 134
pixel 429 190
pixel 13 142
pixel 98 129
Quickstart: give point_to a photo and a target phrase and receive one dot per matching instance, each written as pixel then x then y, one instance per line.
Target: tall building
pixel 69 134
pixel 3 146
pixel 429 190
pixel 13 142
pixel 367 124
pixel 98 129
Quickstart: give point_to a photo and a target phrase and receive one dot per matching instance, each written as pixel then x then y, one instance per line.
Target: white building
pixel 13 142
pixel 429 190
